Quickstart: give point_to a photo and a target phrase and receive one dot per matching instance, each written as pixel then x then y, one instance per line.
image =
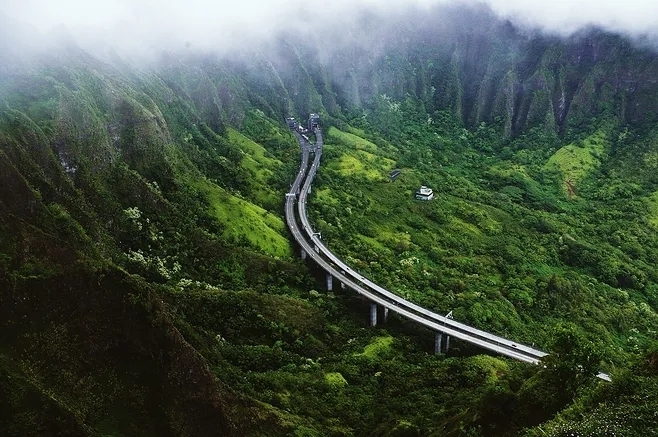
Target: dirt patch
pixel 571 188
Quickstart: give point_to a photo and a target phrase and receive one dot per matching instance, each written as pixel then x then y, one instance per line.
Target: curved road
pixel 390 295
pixel 377 294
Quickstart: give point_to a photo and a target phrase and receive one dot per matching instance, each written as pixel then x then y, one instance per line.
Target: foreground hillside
pixel 115 196
pixel 148 286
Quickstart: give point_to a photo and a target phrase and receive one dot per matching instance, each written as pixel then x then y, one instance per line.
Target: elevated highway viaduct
pixel 312 246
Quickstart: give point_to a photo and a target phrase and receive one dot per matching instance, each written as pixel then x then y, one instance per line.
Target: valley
pixel 149 284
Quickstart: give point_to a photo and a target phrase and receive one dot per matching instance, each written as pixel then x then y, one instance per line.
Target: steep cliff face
pixel 478 67
pixel 464 60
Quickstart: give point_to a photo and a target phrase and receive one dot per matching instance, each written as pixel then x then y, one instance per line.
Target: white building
pixel 424 193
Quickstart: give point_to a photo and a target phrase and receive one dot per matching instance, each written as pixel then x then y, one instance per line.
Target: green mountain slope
pixel 114 192
pixel 147 282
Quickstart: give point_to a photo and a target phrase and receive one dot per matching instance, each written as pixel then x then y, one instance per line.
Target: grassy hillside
pixel 248 222
pixel 261 166
pixel 574 162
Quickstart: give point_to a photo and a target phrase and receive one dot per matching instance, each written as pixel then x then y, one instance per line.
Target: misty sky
pixel 205 23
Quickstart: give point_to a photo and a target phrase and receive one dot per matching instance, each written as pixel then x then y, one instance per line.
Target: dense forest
pixel 149 286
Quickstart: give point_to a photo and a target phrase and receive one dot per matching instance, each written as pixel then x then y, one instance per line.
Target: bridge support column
pixel 385 314
pixel 317 248
pixel 309 190
pixel 447 343
pixel 373 314
pixel 438 338
pixel 303 254
pixel 330 282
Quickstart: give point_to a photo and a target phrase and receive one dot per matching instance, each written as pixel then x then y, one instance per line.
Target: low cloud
pixel 633 17
pixel 141 26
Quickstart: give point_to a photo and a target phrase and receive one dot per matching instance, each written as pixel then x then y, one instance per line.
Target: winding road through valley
pixel 311 244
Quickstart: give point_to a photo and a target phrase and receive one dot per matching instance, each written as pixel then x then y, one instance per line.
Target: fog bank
pixel 141 26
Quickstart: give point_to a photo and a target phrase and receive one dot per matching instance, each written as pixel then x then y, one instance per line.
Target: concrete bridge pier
pixel 438 339
pixel 309 190
pixel 303 254
pixel 385 314
pixel 330 282
pixel 317 248
pixel 373 314
pixel 448 316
